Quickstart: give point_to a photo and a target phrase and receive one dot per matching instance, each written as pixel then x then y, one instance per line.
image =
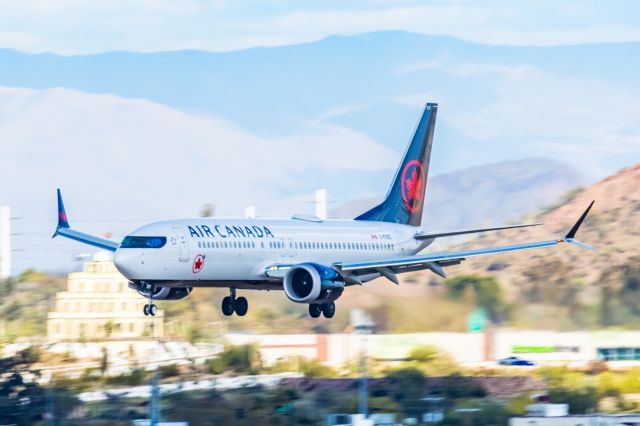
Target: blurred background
pixel 149 110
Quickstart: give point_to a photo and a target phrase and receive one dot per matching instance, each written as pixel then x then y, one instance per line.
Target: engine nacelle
pixel 312 283
pixel 161 293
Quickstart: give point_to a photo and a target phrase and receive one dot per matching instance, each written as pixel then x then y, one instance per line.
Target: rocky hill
pixel 613 227
pixel 567 286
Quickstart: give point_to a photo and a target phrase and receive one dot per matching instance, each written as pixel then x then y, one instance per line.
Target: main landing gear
pixel 150 309
pixel 327 309
pixel 231 304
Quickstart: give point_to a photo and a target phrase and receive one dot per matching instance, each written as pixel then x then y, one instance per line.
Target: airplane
pixel 312 260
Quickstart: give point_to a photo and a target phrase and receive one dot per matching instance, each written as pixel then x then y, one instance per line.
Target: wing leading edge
pixel 437 261
pixel 65 230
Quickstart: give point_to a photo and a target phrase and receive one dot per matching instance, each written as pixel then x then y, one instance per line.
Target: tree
pixel 104 361
pixel 432 361
pixel 486 293
pixel 409 384
pixel 240 359
pixel 620 293
pixel 24 401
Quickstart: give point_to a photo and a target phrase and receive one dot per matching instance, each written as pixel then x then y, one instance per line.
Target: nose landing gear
pixel 231 304
pixel 150 308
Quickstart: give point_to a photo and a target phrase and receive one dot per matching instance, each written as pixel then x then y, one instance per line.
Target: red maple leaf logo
pixel 198 264
pixel 413 185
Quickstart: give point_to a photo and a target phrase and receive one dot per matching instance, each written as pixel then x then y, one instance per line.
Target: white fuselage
pixel 226 250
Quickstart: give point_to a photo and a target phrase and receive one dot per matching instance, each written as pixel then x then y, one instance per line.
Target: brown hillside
pixel 613 227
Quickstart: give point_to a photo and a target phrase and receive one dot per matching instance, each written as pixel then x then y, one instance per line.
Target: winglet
pixel 63 222
pixel 572 233
pixel 569 238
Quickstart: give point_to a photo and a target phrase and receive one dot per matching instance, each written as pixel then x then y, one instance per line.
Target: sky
pixel 80 26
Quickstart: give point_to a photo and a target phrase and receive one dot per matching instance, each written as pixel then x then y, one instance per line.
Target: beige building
pixel 99 305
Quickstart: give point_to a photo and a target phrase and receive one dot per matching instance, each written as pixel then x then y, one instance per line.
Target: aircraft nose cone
pixel 128 262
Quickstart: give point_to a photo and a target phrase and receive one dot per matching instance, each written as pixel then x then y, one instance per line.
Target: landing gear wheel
pixel 227 306
pixel 329 309
pixel 145 310
pixel 153 310
pixel 314 310
pixel 241 306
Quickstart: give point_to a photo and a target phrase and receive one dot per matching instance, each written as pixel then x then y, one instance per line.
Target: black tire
pixel 153 310
pixel 146 310
pixel 329 309
pixel 241 306
pixel 227 306
pixel 314 310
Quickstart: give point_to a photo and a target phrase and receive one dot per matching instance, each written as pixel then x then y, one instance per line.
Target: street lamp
pixel 363 326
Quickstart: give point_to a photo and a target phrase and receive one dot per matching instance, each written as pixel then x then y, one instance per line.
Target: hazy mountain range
pixel 499 193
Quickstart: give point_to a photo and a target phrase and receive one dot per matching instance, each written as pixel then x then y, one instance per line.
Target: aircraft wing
pixel 65 230
pixel 437 261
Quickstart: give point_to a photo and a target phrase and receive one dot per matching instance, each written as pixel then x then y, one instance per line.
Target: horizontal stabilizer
pixel 470 231
pixel 63 229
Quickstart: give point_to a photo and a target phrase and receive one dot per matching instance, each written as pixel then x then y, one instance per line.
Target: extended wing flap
pixel 443 257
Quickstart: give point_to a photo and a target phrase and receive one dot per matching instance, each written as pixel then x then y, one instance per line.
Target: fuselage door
pixel 183 246
pixel 291 247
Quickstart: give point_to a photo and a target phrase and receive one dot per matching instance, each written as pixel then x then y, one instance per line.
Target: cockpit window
pixel 143 242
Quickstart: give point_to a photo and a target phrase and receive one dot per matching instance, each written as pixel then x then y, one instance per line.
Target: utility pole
pixel 363 390
pixel 50 415
pixel 363 326
pixel 154 406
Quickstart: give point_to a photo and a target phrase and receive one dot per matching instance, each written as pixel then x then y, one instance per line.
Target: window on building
pixel 619 354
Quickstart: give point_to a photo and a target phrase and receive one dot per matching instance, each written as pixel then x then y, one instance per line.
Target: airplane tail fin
pixel 63 222
pixel 405 200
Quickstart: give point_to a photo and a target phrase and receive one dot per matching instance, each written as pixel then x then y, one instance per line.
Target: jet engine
pixel 312 283
pixel 161 293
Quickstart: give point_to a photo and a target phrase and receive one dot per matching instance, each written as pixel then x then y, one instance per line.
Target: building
pixel 579 420
pixel 99 305
pixel 617 348
pixel 5 242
